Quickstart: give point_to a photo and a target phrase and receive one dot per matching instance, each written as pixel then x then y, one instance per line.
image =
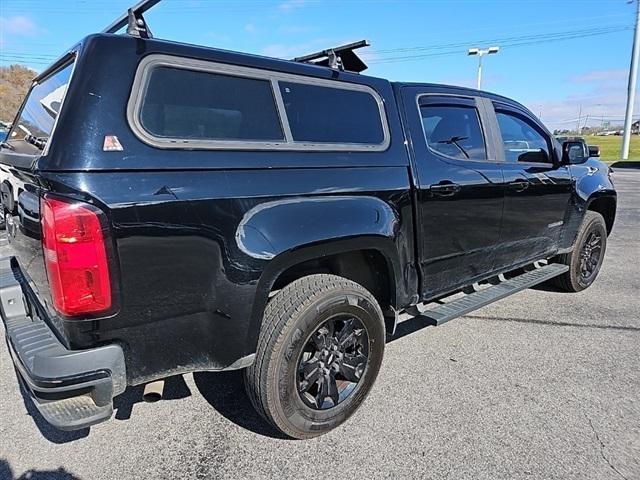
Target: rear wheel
pixel 319 353
pixel 586 258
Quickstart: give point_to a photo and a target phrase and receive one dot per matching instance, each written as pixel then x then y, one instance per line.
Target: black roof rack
pixel 133 19
pixel 342 58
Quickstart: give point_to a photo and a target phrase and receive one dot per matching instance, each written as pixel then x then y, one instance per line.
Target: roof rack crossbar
pixel 342 57
pixel 133 19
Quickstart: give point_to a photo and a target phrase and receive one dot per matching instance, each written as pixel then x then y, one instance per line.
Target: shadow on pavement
pixel 547 287
pixel 409 326
pixel 175 388
pixel 6 473
pixel 225 392
pixel 556 323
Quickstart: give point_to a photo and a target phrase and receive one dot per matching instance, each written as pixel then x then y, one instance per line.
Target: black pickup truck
pixel 173 208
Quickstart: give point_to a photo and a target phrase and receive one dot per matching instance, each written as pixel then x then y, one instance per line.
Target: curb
pixel 625 164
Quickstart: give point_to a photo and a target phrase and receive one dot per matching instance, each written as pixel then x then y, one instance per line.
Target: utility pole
pixel 585 124
pixel 631 91
pixel 579 119
pixel 479 52
pixel 601 106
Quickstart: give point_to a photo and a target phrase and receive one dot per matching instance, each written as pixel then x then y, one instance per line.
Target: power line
pixel 28 55
pixel 450 50
pixel 500 39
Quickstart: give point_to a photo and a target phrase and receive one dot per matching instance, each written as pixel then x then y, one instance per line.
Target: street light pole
pixel 631 91
pixel 479 52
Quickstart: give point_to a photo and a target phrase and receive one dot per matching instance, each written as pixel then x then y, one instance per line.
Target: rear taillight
pixel 76 258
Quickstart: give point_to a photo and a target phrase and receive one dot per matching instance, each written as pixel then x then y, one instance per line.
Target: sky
pixel 558 57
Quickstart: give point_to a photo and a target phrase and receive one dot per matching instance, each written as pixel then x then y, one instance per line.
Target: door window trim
pixel 521 114
pixel 149 63
pixel 484 122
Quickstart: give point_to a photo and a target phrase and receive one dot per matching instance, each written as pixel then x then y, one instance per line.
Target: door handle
pixel 445 190
pixel 519 185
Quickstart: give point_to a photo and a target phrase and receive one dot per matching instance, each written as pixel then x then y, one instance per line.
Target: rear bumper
pixel 72 389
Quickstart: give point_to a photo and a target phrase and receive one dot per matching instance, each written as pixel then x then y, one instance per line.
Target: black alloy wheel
pixel 586 257
pixel 332 362
pixel 319 352
pixel 590 255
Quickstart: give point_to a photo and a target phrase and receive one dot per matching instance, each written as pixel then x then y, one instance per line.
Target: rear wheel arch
pixel 367 267
pixel 372 263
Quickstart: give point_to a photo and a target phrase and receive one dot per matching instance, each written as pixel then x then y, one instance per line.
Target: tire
pixel 312 311
pixel 575 280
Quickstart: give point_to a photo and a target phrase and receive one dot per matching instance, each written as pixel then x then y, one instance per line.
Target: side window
pixel 190 104
pixel 454 131
pixel 521 140
pixel 319 114
pixel 187 103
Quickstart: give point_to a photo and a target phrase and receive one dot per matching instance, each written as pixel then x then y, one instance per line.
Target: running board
pixel 473 301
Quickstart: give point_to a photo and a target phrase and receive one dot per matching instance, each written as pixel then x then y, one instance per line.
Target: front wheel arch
pixel 605 206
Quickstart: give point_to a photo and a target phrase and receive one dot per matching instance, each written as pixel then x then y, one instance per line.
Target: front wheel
pixel 319 353
pixel 586 258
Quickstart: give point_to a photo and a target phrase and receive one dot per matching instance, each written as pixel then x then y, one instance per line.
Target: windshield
pixel 31 130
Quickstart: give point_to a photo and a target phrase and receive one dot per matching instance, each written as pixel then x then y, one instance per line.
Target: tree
pixel 15 81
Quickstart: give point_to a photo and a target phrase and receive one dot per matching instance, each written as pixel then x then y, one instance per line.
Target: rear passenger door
pixel 538 188
pixel 460 189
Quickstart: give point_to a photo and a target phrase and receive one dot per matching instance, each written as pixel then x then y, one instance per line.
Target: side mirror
pixel 534 156
pixel 594 151
pixel 573 153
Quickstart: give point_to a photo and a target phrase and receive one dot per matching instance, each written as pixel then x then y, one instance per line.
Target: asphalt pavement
pixel 541 385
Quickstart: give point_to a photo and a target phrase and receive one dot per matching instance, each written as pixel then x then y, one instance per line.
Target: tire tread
pixel 279 317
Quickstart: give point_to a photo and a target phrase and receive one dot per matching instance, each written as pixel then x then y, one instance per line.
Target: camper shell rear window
pixel 185 103
pixel 35 123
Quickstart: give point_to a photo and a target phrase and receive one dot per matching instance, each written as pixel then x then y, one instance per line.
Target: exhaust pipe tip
pixel 153 391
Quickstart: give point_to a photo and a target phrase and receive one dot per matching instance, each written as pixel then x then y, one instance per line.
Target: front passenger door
pixel 537 189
